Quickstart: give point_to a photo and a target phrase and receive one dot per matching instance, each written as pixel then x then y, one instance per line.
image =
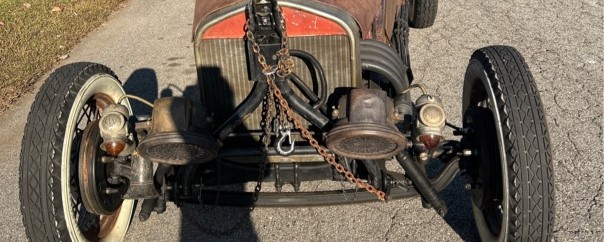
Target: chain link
pixel 284 68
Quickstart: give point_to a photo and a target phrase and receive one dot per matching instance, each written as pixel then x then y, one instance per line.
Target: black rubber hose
pixel 307 57
pixel 388 52
pixel 379 58
pixel 253 100
pixel 303 108
pixel 422 183
pixel 371 51
pixel 385 72
pixel 149 204
pixel 375 56
pixel 306 91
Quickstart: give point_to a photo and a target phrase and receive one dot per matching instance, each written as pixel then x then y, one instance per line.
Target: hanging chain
pixel 283 69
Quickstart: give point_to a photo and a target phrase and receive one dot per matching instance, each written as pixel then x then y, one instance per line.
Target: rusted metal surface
pixel 368 14
pixel 171 114
pixel 141 179
pixel 367 132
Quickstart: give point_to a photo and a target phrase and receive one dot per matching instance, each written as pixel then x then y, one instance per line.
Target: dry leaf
pixel 56 9
pixel 63 57
pixel 1 23
pixel 26 5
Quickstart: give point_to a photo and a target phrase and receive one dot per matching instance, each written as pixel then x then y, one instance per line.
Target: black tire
pixel 49 194
pixel 400 38
pixel 502 108
pixel 422 13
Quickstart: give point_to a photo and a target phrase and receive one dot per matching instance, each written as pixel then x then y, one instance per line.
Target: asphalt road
pixel 148 45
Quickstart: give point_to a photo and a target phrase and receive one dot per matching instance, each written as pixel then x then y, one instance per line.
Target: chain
pixel 283 69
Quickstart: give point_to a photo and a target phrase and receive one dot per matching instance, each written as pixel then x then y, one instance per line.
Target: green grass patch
pixel 35 34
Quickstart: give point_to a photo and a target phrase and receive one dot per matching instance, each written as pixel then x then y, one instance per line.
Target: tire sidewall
pixel 98 83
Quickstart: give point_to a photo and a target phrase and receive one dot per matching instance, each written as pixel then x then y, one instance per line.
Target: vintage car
pixel 291 91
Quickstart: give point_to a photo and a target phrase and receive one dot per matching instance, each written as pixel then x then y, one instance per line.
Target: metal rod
pixel 320 198
pixel 245 152
pixel 253 100
pixel 422 183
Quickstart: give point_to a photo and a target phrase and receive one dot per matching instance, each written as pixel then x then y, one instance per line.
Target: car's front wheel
pixel 60 168
pixel 510 173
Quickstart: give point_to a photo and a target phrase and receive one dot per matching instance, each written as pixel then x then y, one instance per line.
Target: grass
pixel 36 34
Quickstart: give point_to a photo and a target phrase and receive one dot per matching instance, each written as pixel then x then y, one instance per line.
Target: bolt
pixel 110 190
pixel 335 114
pixel 468 186
pixel 467 152
pixel 423 156
pixel 106 159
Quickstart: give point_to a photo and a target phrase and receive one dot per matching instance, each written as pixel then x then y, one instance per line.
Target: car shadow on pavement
pixel 216 223
pixel 143 83
pixel 460 216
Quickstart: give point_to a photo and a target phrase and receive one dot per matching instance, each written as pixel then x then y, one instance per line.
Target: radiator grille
pixel 224 76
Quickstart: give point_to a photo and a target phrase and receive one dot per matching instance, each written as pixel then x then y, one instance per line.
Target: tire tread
pixel 425 12
pixel 526 143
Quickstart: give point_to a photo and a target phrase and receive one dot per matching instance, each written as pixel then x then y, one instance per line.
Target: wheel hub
pixel 98 195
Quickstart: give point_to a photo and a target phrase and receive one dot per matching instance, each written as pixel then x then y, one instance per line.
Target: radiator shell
pixel 222 66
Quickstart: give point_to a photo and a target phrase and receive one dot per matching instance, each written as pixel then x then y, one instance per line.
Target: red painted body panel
pixel 298 22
